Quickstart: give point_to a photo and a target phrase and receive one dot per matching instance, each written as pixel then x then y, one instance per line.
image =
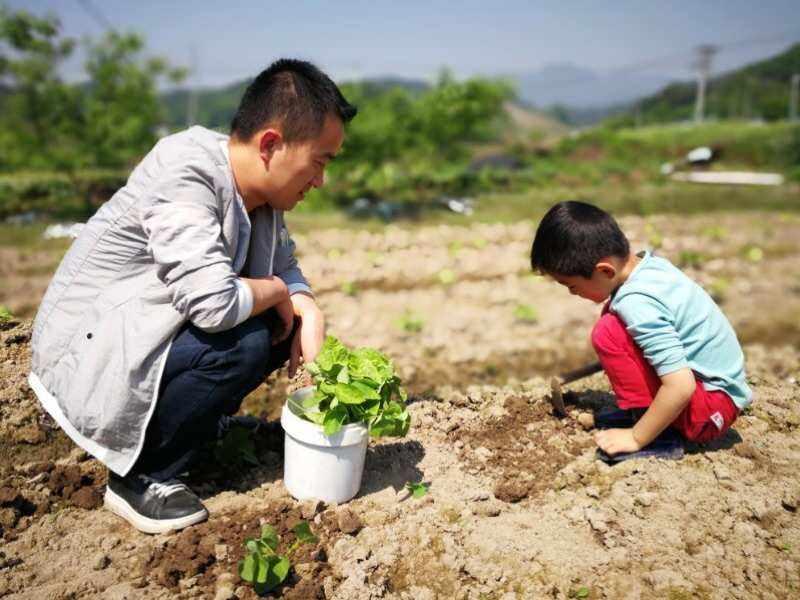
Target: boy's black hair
pixel 573 236
pixel 293 94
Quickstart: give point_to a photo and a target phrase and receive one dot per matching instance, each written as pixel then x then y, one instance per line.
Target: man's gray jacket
pixel 166 249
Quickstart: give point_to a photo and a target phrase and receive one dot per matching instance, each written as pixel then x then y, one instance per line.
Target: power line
pixel 97 14
pixel 673 58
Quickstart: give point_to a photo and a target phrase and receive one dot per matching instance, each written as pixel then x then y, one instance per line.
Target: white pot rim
pixel 311 433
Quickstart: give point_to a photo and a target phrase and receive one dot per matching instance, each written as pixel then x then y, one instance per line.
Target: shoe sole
pixel 121 508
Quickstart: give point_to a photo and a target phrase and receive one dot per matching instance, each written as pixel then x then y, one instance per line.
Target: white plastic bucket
pixel 317 466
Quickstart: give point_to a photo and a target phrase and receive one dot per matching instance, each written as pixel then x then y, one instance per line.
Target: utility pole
pixel 703 65
pixel 793 93
pixel 191 97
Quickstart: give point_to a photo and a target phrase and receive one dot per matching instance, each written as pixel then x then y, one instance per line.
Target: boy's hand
pixel 614 441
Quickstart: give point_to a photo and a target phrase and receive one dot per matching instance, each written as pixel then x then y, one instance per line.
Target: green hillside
pixel 759 90
pixel 215 107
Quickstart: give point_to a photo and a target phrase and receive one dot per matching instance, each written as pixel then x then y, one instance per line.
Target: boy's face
pixel 597 288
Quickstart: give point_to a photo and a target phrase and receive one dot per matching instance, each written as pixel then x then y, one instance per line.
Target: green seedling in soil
pixel 753 253
pixel 5 314
pixel 479 243
pixel 526 313
pixel 715 232
pixel 356 386
pixel 262 565
pixel 417 490
pixel 581 592
pixel 654 238
pixel 236 448
pixel 446 277
pixel 349 288
pixel 690 258
pixel 410 322
pixel 453 248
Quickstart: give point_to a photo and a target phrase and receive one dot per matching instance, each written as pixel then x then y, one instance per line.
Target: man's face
pixel 296 167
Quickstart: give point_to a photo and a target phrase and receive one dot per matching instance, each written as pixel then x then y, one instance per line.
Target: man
pixel 151 333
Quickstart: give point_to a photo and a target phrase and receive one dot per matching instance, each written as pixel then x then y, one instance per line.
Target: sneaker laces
pixel 164 490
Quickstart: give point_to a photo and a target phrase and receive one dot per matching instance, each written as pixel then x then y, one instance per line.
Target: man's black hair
pixel 292 94
pixel 573 237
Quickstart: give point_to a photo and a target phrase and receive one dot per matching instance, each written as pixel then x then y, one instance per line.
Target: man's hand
pixel 614 441
pixel 310 334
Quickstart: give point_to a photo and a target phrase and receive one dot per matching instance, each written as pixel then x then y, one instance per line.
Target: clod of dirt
pixel 349 522
pixel 586 420
pixel 29 434
pixel 310 508
pixel 9 496
pixel 87 498
pixel 101 561
pixel 8 563
pixel 511 491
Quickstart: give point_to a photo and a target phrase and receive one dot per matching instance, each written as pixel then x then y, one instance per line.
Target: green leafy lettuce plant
pixel 356 386
pixel 262 565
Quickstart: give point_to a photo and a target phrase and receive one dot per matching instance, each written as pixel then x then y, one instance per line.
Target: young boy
pixel 664 344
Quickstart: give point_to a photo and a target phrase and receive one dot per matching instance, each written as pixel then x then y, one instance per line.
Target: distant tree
pixel 120 108
pixel 38 114
pixel 108 121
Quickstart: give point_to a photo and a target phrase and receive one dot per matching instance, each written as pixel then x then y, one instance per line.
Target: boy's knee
pixel 608 333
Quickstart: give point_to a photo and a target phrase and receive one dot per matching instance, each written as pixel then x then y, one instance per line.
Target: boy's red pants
pixel 709 413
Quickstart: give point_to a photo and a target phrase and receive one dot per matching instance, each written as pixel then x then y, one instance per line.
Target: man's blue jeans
pixel 206 376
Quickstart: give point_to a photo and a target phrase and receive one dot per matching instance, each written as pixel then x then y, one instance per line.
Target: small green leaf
pixel 303 532
pixel 367 390
pixel 269 537
pixel 262 571
pixel 272 575
pixel 280 569
pixel 333 420
pixel 251 545
pixel 446 277
pixel 583 592
pixel 249 567
pixel 343 376
pixel 418 490
pixel 312 368
pixel 347 393
pixel 526 313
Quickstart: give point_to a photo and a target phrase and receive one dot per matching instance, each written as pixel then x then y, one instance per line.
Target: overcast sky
pixel 232 40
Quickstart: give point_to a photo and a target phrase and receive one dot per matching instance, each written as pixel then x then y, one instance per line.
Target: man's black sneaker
pixel 153 507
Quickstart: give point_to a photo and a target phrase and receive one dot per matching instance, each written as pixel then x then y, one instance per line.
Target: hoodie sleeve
pixel 183 224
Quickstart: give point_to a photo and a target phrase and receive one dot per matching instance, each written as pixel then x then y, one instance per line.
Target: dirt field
pixel 518 505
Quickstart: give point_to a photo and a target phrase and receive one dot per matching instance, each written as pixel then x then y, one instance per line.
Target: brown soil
pixel 203 553
pixel 517 507
pixel 524 449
